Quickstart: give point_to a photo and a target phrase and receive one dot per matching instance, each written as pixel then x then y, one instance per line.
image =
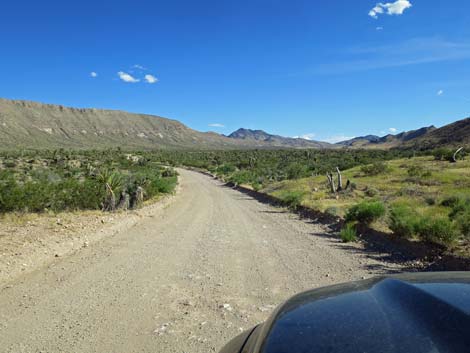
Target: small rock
pixel 227 307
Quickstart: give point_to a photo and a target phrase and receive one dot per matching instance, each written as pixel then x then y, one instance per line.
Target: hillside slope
pixel 36 125
pixel 452 135
pixel 25 124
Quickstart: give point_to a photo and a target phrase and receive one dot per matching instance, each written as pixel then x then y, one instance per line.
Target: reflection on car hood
pixel 406 313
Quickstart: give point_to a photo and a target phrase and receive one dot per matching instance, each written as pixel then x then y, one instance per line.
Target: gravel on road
pixel 186 278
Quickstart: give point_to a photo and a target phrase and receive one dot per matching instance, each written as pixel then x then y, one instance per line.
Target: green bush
pixel 366 212
pixel 462 222
pixel 348 233
pixel 332 211
pixel 371 192
pixel 460 213
pixel 296 171
pixel 451 201
pixel 415 171
pixel 403 221
pixel 375 168
pixel 225 169
pixel 292 199
pixel 437 230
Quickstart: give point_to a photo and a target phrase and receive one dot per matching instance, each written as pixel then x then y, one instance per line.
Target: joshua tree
pixel 340 180
pixel 331 182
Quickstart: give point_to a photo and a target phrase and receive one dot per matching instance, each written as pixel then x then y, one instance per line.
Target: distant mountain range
pixel 25 124
pixel 262 137
pixel 387 141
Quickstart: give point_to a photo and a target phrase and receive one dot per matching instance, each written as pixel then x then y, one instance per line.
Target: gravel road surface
pixel 187 278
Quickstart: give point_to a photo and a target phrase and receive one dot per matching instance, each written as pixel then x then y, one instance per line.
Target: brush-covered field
pixel 62 180
pixel 418 196
pixel 422 196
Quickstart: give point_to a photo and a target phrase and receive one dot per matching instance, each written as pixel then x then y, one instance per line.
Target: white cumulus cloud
pixel 150 78
pixel 93 74
pixel 392 130
pixel 440 92
pixel 127 78
pixel 216 125
pixel 390 8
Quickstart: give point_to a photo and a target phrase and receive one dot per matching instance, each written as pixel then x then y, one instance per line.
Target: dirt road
pixel 185 279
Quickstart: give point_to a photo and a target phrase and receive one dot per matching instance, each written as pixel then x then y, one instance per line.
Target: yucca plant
pixel 113 183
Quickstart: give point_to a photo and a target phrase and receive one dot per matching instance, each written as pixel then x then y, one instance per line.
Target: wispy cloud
pixel 379 28
pixel 139 67
pixel 392 130
pixel 150 79
pixel 440 92
pixel 337 138
pixel 410 52
pixel 127 77
pixel 217 125
pixel 390 8
pixel 308 136
pixel 93 74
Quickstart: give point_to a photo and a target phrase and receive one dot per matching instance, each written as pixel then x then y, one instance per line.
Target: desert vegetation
pixel 417 195
pixel 62 180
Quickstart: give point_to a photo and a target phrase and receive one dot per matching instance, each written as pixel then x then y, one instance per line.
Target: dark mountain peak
pixel 242 133
pixel 260 136
pixel 361 140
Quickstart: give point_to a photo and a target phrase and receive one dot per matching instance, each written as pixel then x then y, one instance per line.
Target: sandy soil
pixel 184 277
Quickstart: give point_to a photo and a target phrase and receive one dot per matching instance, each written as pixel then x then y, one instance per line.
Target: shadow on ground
pixel 411 255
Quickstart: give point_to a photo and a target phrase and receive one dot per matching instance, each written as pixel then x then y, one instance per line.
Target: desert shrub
pixel 430 201
pixel 10 163
pixel 332 211
pixel 375 168
pixel 410 190
pixel 296 171
pixel 450 201
pixel 348 233
pixel 226 168
pixel 169 172
pixel 292 199
pixel 365 212
pixel 459 204
pixel 242 177
pixel 437 229
pixel 460 213
pixel 161 185
pixel 443 154
pixel 371 192
pixel 415 171
pixel 403 221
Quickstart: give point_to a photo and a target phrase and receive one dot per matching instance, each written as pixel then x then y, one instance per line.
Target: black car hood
pixel 405 313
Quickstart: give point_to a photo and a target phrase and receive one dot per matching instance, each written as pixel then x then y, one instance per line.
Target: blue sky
pixel 320 69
